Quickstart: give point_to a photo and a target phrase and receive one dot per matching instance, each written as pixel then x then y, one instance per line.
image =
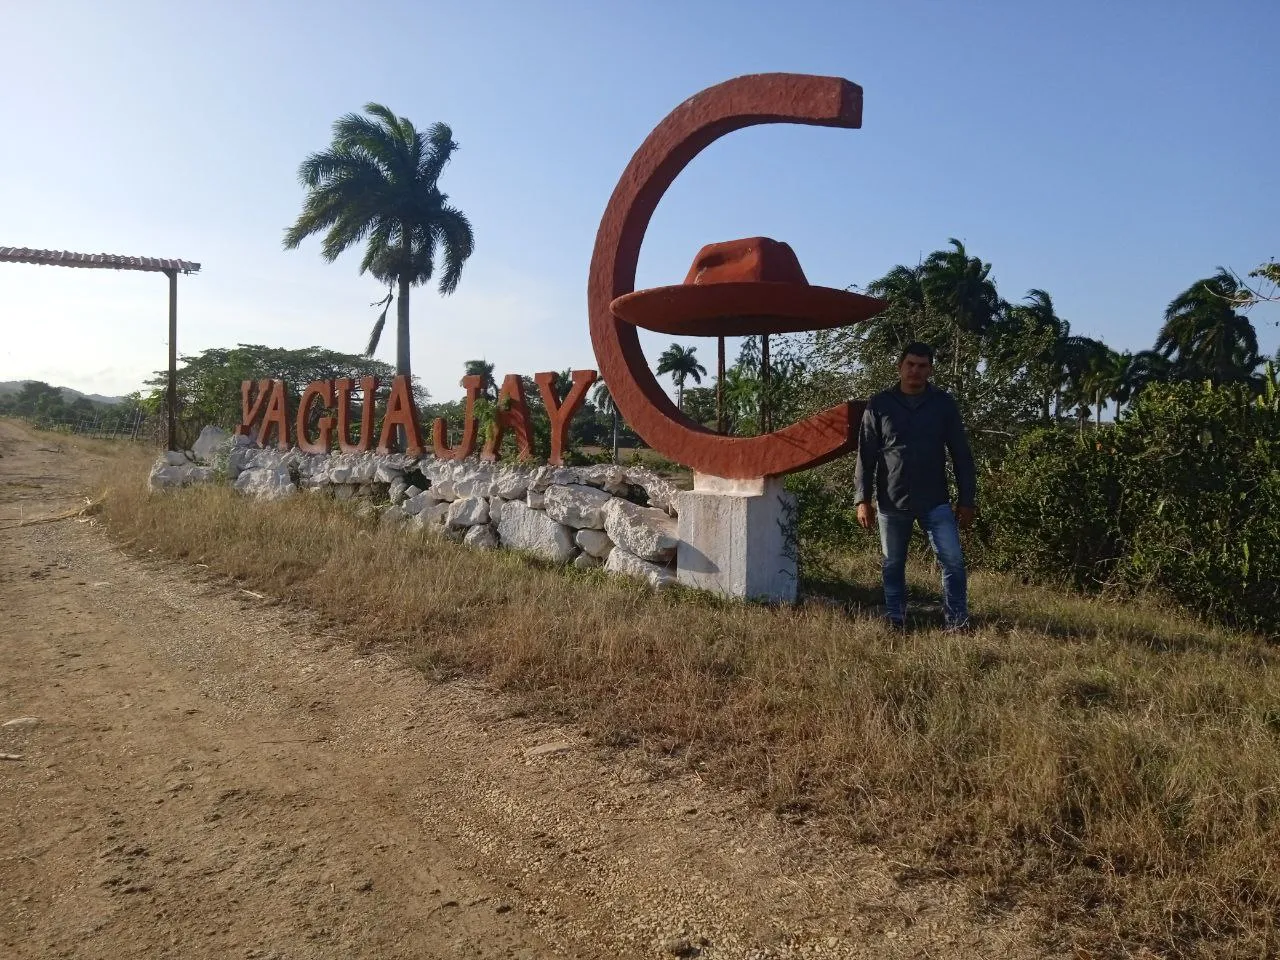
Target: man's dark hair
pixel 916 349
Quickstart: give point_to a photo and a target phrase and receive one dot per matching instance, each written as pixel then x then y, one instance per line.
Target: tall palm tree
pixel 1104 377
pixel 603 400
pixel 1038 312
pixel 378 184
pixel 681 363
pixel 484 370
pixel 1083 357
pixel 960 287
pixel 902 287
pixel 1145 368
pixel 1205 337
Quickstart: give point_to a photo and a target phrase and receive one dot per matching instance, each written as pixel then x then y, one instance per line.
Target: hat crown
pixel 750 260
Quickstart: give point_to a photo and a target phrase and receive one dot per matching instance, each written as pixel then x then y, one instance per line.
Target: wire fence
pixel 135 426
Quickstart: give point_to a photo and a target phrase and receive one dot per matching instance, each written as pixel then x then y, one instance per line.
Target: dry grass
pixel 1114 765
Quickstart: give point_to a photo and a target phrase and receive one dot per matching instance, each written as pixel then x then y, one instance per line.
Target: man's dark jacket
pixel 902 452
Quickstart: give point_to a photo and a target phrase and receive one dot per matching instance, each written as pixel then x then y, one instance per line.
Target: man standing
pixel 905 435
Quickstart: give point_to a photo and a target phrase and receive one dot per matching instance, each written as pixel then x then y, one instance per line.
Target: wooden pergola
pixel 111 261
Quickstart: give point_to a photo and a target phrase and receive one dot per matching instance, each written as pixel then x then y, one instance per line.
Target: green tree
pixel 603 399
pixel 1104 380
pixel 484 370
pixel 1205 337
pixel 378 184
pixel 682 363
pixel 960 287
pixel 209 383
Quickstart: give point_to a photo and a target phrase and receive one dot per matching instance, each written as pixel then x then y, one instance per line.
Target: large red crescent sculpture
pixel 686 132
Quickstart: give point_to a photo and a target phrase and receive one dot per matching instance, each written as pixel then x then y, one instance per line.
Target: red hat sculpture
pixel 743 288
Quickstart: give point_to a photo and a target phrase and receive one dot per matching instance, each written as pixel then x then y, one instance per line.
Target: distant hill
pixel 68 394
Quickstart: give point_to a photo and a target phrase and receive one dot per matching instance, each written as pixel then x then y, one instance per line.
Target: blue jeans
pixel 940 526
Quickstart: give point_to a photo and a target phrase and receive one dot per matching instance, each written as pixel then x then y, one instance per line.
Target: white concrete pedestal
pixel 738 538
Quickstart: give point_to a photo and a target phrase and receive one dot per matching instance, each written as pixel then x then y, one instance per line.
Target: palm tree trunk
pixel 402 328
pixel 615 434
pixel 764 383
pixel 680 395
pixel 955 360
pixel 720 385
pixel 1097 398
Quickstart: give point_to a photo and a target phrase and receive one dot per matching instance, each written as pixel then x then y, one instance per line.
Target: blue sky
pixel 1110 153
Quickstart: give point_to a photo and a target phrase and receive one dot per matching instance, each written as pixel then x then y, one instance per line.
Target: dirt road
pixel 197 772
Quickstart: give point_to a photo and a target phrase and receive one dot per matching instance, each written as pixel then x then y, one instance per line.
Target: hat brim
pixel 749 308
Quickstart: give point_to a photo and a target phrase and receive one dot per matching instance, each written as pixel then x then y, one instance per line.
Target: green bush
pixel 1051 509
pixel 1181 497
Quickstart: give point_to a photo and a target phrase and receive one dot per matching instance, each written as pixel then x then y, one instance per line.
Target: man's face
pixel 914 372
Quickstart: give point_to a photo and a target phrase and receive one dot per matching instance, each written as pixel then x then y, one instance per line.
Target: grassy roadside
pixel 1114 765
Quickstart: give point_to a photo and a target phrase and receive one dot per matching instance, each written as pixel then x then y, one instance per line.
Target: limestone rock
pixel 207 444
pixel 474 480
pixel 385 472
pixel 467 512
pixel 537 499
pixel 523 528
pixel 585 561
pixel 397 490
pixel 415 505
pixel 163 476
pixel 541 479
pixel 660 493
pixel 482 537
pixel 620 561
pixel 511 483
pixel 444 490
pixel 241 457
pixel 266 482
pixel 364 470
pixel 313 470
pixel 430 520
pixel 394 516
pixel 563 476
pixel 577 505
pixel 608 477
pixel 176 458
pixel 594 543
pixel 646 532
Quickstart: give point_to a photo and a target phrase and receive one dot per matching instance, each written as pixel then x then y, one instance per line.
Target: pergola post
pixel 172 400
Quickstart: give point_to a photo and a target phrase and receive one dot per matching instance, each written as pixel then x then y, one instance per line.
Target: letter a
pixel 401 412
pixel 516 416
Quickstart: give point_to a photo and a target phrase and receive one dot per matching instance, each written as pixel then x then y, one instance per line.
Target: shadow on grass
pixel 1001 605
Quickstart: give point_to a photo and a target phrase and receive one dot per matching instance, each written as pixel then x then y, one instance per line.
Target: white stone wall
pixel 603 515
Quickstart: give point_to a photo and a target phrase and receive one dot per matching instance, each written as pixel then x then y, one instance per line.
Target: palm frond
pixel 376 333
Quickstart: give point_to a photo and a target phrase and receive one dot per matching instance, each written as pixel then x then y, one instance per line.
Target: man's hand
pixel 866 515
pixel 964 517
